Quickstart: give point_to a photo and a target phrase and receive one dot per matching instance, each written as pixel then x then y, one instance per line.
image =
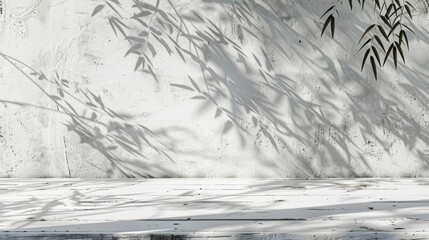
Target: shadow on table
pixel 246 213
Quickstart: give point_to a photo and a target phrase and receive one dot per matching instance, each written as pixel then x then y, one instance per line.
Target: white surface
pixel 392 208
pixel 314 114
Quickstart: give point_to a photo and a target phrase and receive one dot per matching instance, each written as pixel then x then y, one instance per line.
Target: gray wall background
pixel 228 89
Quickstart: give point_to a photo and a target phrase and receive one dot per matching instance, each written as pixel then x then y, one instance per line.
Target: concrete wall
pixel 227 90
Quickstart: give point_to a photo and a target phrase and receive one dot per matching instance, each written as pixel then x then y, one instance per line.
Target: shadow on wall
pixel 266 76
pixel 123 143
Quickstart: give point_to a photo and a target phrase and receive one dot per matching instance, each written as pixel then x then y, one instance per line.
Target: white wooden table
pixel 214 209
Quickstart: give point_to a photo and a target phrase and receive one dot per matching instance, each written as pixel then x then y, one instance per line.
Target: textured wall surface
pixel 205 88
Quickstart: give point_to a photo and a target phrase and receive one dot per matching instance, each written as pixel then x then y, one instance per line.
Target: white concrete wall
pixel 269 98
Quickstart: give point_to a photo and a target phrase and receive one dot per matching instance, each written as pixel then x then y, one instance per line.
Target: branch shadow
pixel 252 75
pixel 192 210
pixel 341 120
pixel 126 145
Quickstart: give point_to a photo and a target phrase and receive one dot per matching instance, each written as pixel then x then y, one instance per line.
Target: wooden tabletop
pixel 214 208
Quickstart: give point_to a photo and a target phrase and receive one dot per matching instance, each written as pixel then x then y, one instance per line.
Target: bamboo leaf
pixel 116 2
pixel 97 9
pixel 329 9
pixel 136 39
pixel 388 10
pixel 407 8
pixel 397 2
pixel 388 52
pixel 163 43
pixel 60 91
pixel 270 137
pixel 134 49
pixel 408 28
pixel 151 48
pixel 398 46
pixel 393 28
pixel 401 36
pixel 199 97
pixel 55 98
pixel 142 14
pixel 141 22
pixel 395 10
pixel 113 26
pixel 409 4
pixel 385 20
pixel 114 9
pixel 182 86
pixel 366 31
pixel 180 54
pixel 383 32
pixel 374 67
pixel 377 3
pixel 406 40
pixel 364 58
pixel 143 34
pixel 374 50
pixel 366 43
pixel 194 84
pixel 395 57
pixel 138 63
pixel 117 24
pixel 326 24
pixel 379 42
pixel 120 22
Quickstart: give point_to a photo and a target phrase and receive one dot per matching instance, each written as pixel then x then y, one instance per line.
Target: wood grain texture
pixel 214 209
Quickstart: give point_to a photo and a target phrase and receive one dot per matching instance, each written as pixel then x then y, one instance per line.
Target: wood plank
pixel 214 208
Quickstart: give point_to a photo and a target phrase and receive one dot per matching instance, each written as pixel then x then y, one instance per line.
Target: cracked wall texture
pixel 205 88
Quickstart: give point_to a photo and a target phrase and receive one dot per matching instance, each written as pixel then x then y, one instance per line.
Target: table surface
pixel 214 208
